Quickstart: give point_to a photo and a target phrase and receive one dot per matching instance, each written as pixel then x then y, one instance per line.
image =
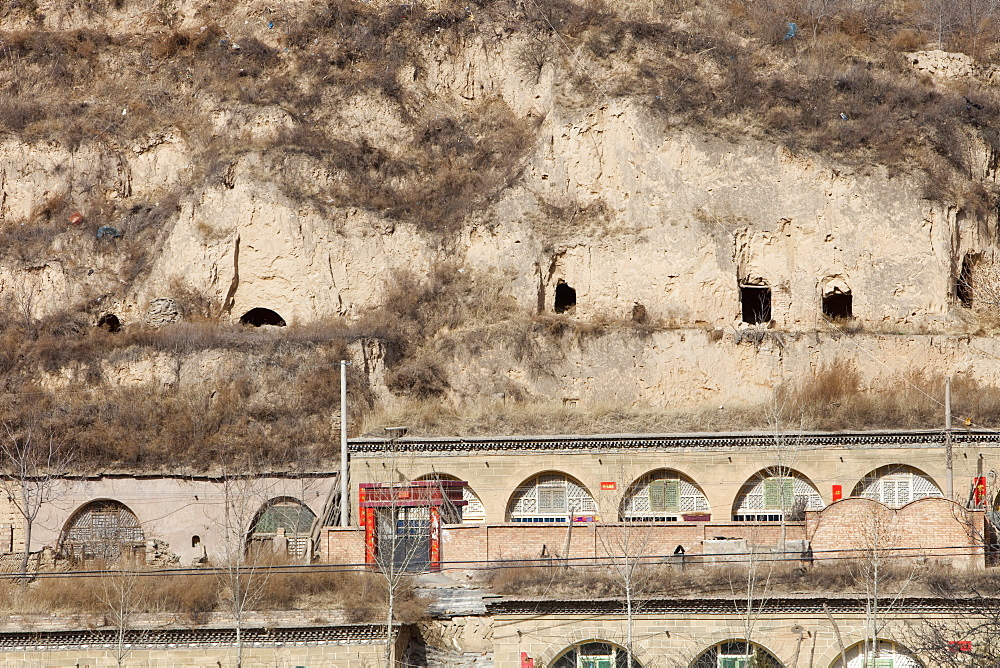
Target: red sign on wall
pixel 838 492
pixel 979 491
pixel 527 661
pixel 609 485
pixel 960 645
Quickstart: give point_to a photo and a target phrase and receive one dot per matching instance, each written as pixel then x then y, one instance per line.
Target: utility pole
pixel 949 465
pixel 345 481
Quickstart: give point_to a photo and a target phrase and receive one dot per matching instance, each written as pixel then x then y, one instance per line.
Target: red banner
pixel 838 492
pixel 979 491
pixel 609 485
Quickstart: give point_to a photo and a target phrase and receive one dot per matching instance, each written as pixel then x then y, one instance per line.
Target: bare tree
pixel 122 594
pixel 403 534
pixel 882 574
pixel 244 571
pixel 30 475
pixel 626 543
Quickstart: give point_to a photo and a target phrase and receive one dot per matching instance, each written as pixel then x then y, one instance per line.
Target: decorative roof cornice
pixel 803 440
pixel 347 634
pixel 730 606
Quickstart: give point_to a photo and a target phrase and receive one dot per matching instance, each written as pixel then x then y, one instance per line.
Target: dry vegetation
pixel 773 580
pixel 359 596
pixel 832 399
pixel 271 403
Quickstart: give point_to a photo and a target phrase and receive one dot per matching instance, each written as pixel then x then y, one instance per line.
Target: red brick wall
pixel 932 527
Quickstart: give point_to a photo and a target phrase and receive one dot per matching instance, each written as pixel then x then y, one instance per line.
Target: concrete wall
pixel 171 509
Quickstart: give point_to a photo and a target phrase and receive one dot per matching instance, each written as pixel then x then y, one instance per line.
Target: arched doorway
pixel 736 654
pixel 896 485
pixel 594 654
pixel 663 495
pixel 774 495
pixel 258 317
pixel 282 527
pixel 104 529
pixel 551 498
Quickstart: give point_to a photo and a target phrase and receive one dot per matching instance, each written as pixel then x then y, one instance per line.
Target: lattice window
pixel 896 486
pixel 773 498
pixel 663 495
pixel 473 511
pixel 551 497
pixel 890 655
pixel 102 530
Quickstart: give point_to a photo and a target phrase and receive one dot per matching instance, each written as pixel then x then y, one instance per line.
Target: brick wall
pixel 928 528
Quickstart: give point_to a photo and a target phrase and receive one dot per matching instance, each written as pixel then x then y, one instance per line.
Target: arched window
pixel 776 495
pixel 896 485
pixel 103 529
pixel 662 496
pixel 594 654
pixel 471 513
pixel 551 497
pixel 736 654
pixel 888 655
pixel 286 517
pixel 258 317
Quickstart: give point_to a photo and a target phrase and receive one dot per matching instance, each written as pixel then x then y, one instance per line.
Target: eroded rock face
pixel 611 201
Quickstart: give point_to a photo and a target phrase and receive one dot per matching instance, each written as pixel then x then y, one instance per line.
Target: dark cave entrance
pixel 258 317
pixel 565 297
pixel 755 301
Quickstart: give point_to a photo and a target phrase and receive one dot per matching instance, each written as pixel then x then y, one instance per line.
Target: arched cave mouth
pixel 110 322
pixel 257 317
pixel 838 305
pixel 565 298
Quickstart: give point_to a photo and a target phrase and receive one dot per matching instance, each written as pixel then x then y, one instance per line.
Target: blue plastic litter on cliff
pixel 270 24
pixel 793 30
pixel 108 232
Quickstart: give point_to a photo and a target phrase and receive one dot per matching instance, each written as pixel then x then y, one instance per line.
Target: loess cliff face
pixel 572 202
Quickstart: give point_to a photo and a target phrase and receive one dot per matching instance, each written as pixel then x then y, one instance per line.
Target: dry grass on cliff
pixel 833 399
pixel 359 596
pixel 844 578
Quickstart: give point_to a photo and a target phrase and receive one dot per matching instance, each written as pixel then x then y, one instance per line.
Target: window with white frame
pixel 551 497
pixel 663 496
pixel 473 510
pixel 773 498
pixel 736 654
pixel 896 486
pixel 889 655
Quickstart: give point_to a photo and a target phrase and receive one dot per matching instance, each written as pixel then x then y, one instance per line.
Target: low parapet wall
pixel 855 528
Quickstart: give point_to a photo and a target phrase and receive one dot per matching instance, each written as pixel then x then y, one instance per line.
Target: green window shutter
pixel 884 663
pixel 672 496
pixel 657 495
pixel 788 493
pixel 771 490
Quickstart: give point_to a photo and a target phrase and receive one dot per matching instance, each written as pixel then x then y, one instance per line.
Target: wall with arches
pixel 171 509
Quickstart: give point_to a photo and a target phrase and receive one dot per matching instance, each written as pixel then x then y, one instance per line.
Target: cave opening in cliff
pixel 838 305
pixel 258 317
pixel 565 297
pixel 963 286
pixel 756 303
pixel 110 322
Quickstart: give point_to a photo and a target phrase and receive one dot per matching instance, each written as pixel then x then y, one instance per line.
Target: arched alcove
pixel 473 512
pixel 773 495
pixel 103 529
pixel 736 654
pixel 258 317
pixel 565 297
pixel 550 498
pixel 663 495
pixel 889 654
pixel 110 322
pixel 594 654
pixel 896 485
pixel 284 516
